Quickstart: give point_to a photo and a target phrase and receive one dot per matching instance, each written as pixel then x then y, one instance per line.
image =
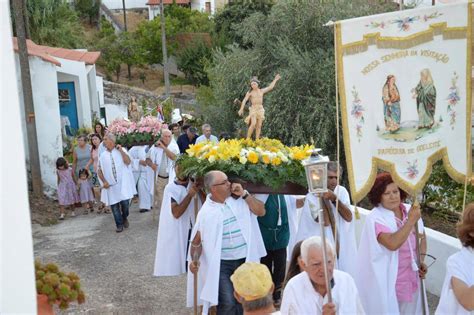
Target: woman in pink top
pixel 388 245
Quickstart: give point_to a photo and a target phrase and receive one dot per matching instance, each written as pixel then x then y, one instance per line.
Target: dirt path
pixel 115 268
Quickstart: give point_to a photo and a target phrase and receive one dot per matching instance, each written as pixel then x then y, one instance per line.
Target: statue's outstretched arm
pixel 272 85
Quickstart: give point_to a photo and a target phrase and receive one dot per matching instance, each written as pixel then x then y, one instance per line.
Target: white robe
pixel 377 266
pixel 345 230
pixel 155 154
pixel 137 154
pixel 172 241
pixel 301 298
pixel 210 225
pixel 461 266
pixel 122 187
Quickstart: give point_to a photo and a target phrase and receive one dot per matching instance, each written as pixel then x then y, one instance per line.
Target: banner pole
pixel 418 257
pixel 338 173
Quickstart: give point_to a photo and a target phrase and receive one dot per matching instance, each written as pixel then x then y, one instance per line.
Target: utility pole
pixel 126 29
pixel 26 19
pixel 17 6
pixel 166 74
pixel 124 16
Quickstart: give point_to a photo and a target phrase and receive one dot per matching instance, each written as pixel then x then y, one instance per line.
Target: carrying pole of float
pixel 325 256
pixel 195 284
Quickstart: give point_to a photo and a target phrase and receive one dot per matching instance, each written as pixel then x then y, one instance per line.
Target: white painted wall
pixel 113 111
pixel 129 4
pixel 93 94
pixel 100 89
pixel 76 71
pixel 17 277
pixel 440 246
pixel 48 123
pixel 153 11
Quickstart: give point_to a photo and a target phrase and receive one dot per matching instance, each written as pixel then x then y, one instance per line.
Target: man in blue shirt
pixel 187 138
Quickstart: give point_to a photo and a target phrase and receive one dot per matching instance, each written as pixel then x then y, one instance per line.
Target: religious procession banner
pixel 405 88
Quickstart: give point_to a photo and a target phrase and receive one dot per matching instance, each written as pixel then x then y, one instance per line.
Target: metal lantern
pixel 316 168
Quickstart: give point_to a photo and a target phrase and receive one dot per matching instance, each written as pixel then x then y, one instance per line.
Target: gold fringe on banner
pixel 410 41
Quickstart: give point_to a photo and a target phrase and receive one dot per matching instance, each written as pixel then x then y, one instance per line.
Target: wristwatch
pixel 245 195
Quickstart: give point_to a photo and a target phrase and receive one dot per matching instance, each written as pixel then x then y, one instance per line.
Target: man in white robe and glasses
pixel 225 236
pixel 116 178
pixel 307 293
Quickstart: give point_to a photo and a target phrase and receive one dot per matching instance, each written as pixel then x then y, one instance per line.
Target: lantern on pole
pixel 316 168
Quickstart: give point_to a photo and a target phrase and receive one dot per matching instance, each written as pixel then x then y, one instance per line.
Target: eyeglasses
pixel 223 183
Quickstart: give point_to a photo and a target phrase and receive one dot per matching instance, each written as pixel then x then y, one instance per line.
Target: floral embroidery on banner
pixel 453 98
pixel 357 112
pixel 405 23
pixel 412 169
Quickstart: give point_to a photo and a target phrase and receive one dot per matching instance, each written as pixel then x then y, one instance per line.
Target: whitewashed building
pixel 65 97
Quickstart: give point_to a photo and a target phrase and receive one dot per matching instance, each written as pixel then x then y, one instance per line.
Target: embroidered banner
pixel 405 88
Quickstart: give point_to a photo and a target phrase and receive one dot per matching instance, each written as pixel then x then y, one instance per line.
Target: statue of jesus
pixel 256 111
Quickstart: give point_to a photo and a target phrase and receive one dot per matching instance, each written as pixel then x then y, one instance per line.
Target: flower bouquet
pixel 129 134
pixel 267 165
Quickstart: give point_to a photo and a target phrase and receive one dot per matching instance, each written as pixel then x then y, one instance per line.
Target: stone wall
pixel 120 94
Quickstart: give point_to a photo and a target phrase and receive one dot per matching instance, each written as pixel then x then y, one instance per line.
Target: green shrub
pixel 193 60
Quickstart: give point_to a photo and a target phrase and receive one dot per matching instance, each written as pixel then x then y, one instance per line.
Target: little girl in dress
pixel 84 186
pixel 67 193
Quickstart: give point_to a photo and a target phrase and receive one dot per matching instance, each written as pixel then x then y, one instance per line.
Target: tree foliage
pixel 233 14
pixel 292 41
pixel 193 60
pixel 189 21
pixel 54 23
pixel 444 194
pixel 88 9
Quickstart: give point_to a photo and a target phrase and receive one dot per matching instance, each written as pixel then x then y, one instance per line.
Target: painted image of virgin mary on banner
pixel 391 104
pixel 425 94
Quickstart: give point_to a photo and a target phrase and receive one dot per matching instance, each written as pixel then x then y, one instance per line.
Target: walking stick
pixel 418 258
pixel 195 260
pixel 325 255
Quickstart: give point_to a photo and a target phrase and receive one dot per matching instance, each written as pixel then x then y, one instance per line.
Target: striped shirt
pixel 233 242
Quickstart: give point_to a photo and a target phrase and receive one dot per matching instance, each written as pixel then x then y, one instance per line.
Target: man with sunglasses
pixel 225 236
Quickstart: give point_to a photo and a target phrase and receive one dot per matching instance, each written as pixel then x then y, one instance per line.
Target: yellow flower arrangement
pixel 266 161
pixel 268 151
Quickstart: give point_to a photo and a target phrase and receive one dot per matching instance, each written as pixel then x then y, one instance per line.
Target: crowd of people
pixel 256 253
